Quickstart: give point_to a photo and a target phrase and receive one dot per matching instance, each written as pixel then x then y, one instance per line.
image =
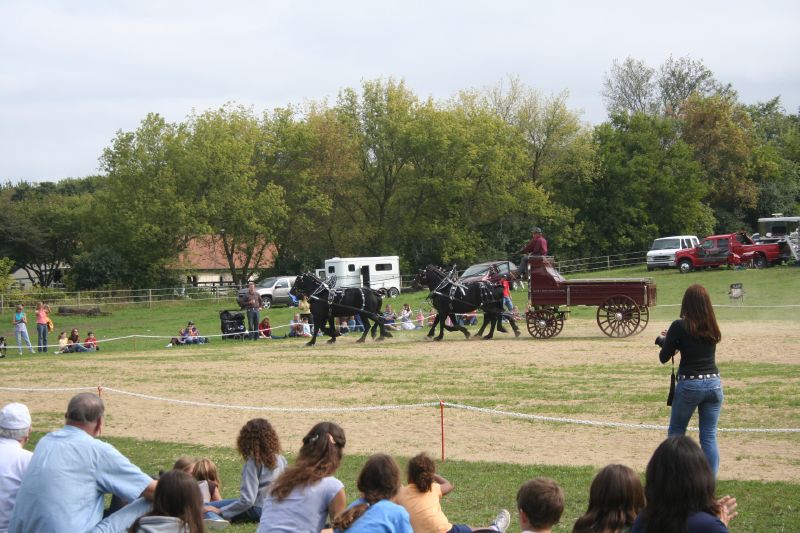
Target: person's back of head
pixel 540 502
pixel 184 463
pixel 259 440
pixel 177 495
pixel 421 469
pixel 697 312
pixel 615 499
pixel 679 482
pixel 205 470
pixel 378 480
pixel 15 422
pixel 319 457
pixel 85 408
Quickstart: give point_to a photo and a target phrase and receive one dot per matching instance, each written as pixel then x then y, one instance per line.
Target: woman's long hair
pixel 698 315
pixel 178 495
pixel 679 482
pixel 378 480
pixel 421 469
pixel 205 470
pixel 258 439
pixel 615 498
pixel 320 456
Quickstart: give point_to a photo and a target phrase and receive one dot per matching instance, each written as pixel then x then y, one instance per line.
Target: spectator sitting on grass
pixel 378 482
pixel 296 326
pixel 192 336
pixel 62 342
pixel 259 446
pixel 540 502
pixel 90 342
pixel 74 342
pixel 177 506
pixel 615 498
pixel 422 499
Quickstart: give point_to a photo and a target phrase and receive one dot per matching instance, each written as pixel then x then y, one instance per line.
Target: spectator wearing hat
pixel 536 246
pixel 15 429
pixel 64 487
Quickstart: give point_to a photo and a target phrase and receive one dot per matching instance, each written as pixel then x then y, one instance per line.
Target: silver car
pixel 273 291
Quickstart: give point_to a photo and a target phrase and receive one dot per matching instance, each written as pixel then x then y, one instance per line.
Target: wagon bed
pixel 622 302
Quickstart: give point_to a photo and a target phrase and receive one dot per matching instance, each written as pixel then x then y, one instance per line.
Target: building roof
pixel 207 253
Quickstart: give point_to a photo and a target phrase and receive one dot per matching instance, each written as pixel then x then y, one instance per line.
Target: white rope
pixel 601 423
pixel 396 407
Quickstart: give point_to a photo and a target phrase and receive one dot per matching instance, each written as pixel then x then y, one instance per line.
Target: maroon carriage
pixel 622 304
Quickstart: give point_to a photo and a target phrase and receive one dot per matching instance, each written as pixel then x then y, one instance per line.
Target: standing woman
pixel 42 318
pixel 20 322
pixel 695 336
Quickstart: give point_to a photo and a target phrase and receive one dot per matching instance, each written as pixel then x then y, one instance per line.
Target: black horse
pixel 328 303
pixel 450 297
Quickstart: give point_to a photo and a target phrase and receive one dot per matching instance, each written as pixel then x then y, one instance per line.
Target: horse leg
pixel 334 332
pixel 433 326
pixel 314 331
pixel 483 325
pixel 365 324
pixel 493 320
pixel 442 319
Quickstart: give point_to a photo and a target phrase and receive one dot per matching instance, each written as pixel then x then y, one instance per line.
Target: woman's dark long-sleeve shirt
pixel 697 356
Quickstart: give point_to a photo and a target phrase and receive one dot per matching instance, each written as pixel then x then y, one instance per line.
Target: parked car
pixel 662 252
pixel 731 249
pixel 273 291
pixel 480 272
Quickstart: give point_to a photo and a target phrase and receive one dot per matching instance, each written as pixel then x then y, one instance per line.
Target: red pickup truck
pixel 732 249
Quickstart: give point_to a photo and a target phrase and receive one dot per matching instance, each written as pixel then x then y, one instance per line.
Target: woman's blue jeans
pixel 41 329
pixel 705 395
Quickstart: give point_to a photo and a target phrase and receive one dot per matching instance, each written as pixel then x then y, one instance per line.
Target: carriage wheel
pixel 644 318
pixel 544 324
pixel 619 316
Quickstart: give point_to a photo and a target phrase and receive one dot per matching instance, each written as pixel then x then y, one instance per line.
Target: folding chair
pixel 736 293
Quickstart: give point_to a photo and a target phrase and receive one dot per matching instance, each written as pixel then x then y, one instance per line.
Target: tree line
pixel 383 171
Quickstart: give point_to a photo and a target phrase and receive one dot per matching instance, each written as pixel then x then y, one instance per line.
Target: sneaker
pixel 216 524
pixel 168 345
pixel 502 520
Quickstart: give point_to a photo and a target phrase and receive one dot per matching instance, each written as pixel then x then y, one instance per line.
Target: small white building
pixel 375 272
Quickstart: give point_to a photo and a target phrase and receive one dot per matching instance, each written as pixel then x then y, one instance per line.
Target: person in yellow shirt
pixel 422 499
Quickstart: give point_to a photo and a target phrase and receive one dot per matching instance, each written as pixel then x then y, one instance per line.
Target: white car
pixel 662 252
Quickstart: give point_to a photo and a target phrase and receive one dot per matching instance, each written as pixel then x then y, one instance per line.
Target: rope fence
pixel 389 407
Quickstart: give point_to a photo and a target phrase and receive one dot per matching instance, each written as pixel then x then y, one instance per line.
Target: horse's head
pixel 304 284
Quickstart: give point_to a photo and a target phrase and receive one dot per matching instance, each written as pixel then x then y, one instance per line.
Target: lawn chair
pixel 736 293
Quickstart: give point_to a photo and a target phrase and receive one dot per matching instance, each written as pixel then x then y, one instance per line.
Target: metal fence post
pixel 608 261
pixel 149 298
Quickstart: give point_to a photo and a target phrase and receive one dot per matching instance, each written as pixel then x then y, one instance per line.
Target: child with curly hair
pixel 259 446
pixel 421 498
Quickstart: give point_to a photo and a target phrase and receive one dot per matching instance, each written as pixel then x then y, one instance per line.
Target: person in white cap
pixel 71 471
pixel 15 429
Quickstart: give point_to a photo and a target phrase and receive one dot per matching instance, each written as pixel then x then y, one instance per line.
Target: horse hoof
pixel 360 341
pixel 331 340
pixel 437 339
pixel 389 335
pixel 516 333
pixel 310 343
pixel 487 338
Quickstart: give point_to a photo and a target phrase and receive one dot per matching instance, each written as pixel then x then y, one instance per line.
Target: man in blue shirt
pixel 70 473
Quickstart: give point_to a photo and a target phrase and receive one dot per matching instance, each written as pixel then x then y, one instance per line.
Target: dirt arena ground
pixel 284 374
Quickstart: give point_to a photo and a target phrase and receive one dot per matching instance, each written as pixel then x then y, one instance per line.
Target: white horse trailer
pixel 374 272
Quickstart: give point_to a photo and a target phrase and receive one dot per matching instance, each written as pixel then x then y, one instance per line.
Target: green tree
pixel 6 268
pixel 720 131
pixel 220 165
pixel 647 185
pixel 146 211
pixel 630 87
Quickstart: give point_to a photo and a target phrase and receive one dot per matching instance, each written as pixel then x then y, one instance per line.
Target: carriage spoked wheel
pixel 644 318
pixel 619 316
pixel 544 323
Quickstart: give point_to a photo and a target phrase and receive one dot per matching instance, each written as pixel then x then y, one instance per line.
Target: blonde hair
pixel 206 470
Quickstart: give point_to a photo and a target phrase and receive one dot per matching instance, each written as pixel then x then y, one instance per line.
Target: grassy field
pixel 580 374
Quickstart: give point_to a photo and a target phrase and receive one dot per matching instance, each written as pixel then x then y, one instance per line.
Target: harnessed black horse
pixel 327 303
pixel 450 297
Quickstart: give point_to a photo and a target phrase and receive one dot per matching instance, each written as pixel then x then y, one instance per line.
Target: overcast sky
pixel 72 73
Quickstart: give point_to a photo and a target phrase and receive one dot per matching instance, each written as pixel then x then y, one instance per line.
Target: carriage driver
pixel 536 246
